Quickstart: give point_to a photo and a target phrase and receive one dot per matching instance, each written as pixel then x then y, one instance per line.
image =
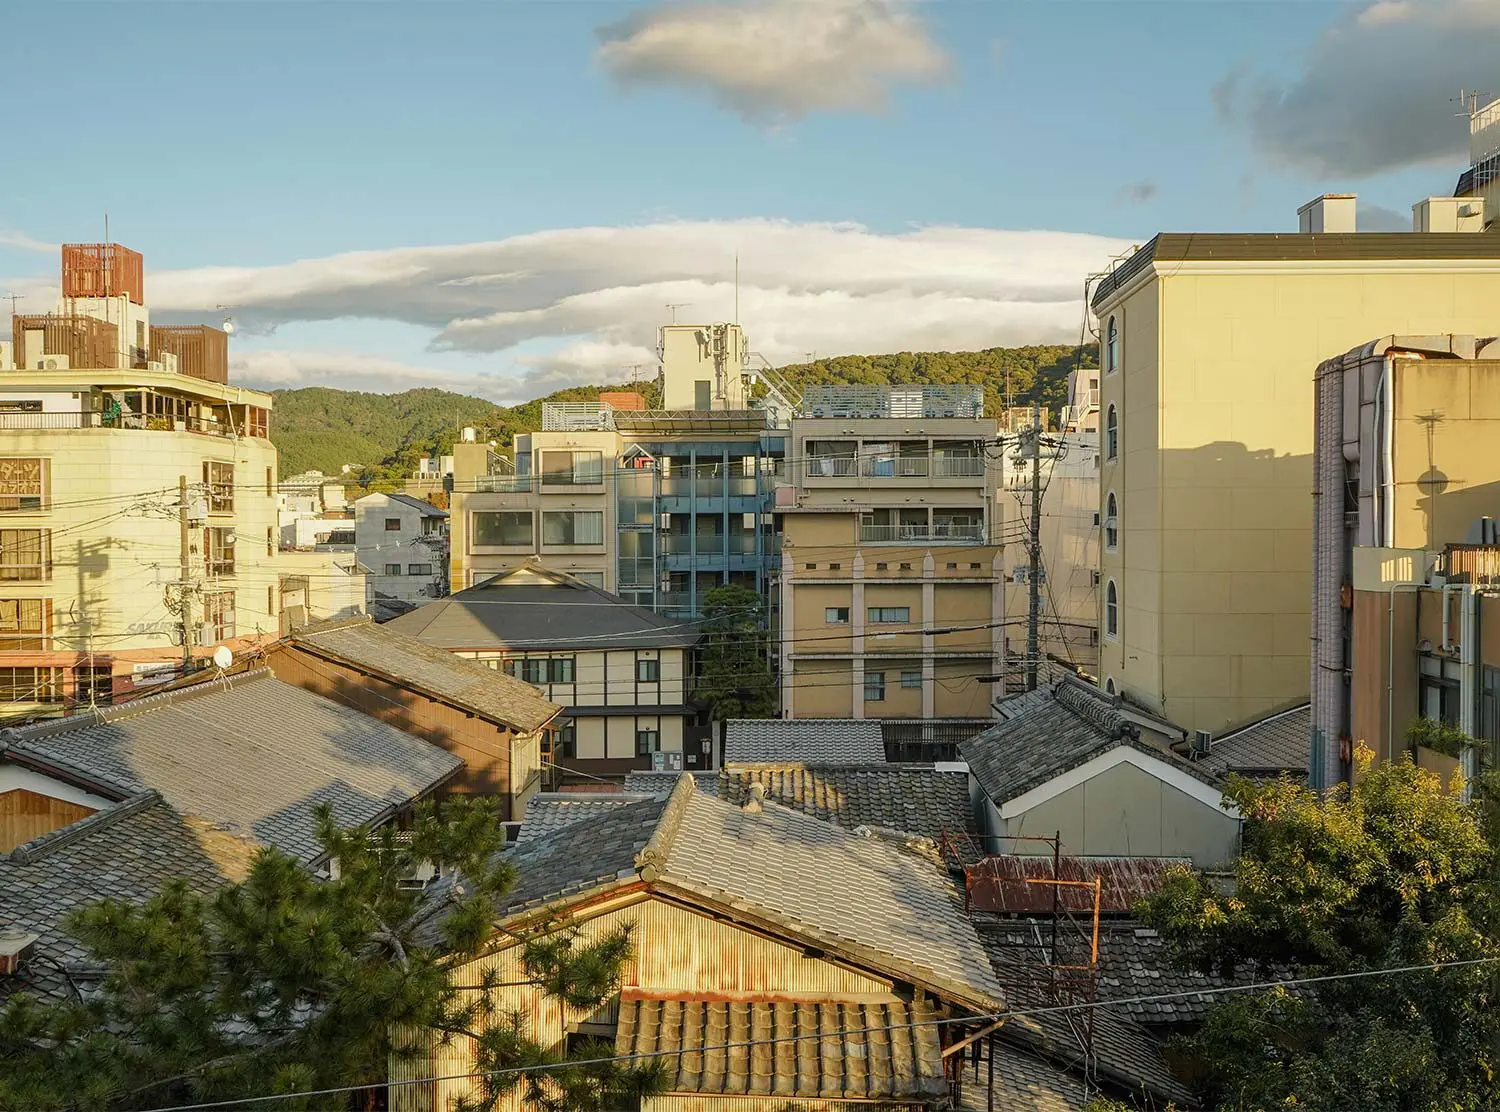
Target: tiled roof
pixel 548 812
pixel 1275 744
pixel 534 607
pixel 1049 733
pixel 427 509
pixel 1023 1083
pixel 1135 961
pixel 458 680
pixel 909 798
pixel 253 756
pixel 864 896
pixel 803 740
pixel 864 1050
pixel 129 851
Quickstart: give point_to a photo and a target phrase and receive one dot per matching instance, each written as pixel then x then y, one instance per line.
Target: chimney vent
pixel 1332 212
pixel 756 801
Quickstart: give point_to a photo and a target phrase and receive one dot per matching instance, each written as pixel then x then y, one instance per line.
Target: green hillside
pixel 383 435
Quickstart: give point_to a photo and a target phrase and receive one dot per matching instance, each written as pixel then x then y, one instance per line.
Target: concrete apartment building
pixel 102 413
pixel 887 513
pixel 1209 345
pixel 312 510
pixel 659 506
pixel 403 542
pixel 1406 467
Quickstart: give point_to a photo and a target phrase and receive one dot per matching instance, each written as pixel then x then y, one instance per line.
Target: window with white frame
pixel 1112 432
pixel 911 680
pixel 570 527
pixel 501 528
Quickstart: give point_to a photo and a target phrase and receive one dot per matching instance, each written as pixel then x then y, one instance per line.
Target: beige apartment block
pixel 1406 460
pixel 891 594
pixel 1209 348
pixel 101 415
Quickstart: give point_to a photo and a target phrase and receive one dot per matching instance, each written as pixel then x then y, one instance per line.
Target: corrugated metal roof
pixel 1012 883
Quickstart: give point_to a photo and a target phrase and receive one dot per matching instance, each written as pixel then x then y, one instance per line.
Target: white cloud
pixel 518 317
pixel 1376 91
pixel 777 60
pixel 22 241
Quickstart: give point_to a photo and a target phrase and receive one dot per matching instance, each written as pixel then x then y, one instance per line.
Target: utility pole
pixel 185 586
pixel 1034 544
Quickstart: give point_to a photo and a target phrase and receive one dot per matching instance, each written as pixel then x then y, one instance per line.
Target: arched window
pixel 1111 432
pixel 1111 610
pixel 1111 346
pixel 1111 521
pixel 1109 686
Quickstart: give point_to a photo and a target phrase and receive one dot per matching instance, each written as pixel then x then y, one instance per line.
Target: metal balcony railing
pixel 22 421
pixel 886 466
pixel 874 533
pixel 576 416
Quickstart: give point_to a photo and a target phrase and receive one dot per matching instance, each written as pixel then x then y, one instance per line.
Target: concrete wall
pixel 418 543
pixel 1215 396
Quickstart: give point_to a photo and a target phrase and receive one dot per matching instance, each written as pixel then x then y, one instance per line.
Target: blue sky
pixel 246 148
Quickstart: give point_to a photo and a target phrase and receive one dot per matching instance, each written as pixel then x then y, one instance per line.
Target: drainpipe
pixel 1390 668
pixel 1468 678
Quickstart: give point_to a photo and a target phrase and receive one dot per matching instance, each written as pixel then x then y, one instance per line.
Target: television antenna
pixel 672 307
pixel 228 324
pixel 13 298
pixel 1470 99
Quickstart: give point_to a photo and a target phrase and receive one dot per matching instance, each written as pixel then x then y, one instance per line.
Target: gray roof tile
pixel 458 680
pixel 252 755
pixel 1275 744
pixel 548 812
pixel 803 740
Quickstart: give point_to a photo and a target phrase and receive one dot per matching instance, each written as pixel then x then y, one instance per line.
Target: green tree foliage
pixel 1439 736
pixel 1398 871
pixel 285 983
pixel 734 679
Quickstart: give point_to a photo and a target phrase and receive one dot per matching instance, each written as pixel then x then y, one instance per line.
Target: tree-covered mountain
pixel 383 435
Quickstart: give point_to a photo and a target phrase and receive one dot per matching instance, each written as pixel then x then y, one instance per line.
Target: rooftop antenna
pixel 736 287
pixel 13 298
pixel 1469 100
pixel 674 306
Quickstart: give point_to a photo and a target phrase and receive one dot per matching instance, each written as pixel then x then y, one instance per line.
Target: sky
pixel 505 198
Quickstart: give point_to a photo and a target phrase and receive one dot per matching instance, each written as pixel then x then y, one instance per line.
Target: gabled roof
pixel 250 755
pixel 863 897
pixel 803 740
pixel 1275 744
pixel 548 812
pixel 534 607
pixel 913 799
pixel 1052 731
pixel 408 662
pixel 427 509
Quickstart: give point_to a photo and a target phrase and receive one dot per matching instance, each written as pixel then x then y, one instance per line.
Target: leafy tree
pixel 1397 871
pixel 286 983
pixel 734 679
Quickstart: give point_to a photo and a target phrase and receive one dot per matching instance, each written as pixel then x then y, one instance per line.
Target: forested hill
pixel 383 435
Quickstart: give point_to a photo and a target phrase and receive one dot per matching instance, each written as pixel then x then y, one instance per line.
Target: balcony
pixel 683 544
pixel 23 421
pixel 956 533
pixel 888 466
pixel 502 484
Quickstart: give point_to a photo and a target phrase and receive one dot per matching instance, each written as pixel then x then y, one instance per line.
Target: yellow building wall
pixel 1216 403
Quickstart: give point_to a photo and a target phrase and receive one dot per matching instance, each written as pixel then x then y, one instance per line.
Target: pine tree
pixel 286 983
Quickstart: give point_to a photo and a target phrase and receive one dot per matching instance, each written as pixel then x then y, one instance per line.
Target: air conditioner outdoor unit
pixel 53 363
pixel 157 368
pixel 168 360
pixel 1202 743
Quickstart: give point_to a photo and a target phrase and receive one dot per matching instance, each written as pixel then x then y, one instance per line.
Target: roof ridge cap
pixel 54 840
pixel 1104 717
pixel 651 861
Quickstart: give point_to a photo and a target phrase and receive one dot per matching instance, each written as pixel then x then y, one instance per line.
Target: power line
pixel 991 1017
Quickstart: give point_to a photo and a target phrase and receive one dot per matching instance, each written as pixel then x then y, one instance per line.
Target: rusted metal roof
pixel 1005 884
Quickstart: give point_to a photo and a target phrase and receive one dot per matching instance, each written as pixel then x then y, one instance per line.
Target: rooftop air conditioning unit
pixel 52 363
pixel 1202 743
pixel 168 361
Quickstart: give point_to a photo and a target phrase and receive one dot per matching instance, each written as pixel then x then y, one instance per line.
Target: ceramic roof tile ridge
pixel 51 842
pixel 651 861
pixel 105 716
pixel 1094 710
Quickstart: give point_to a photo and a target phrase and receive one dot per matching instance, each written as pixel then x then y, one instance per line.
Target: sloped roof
pixel 1275 744
pixel 409 662
pixel 1051 732
pixel 914 799
pixel 427 508
pixel 127 851
pixel 548 812
pixel 864 1050
pixel 1024 1082
pixel 803 740
pixel 863 896
pixel 533 607
pixel 251 755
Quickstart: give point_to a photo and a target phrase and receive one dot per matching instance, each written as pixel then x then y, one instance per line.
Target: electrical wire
pixel 989 1017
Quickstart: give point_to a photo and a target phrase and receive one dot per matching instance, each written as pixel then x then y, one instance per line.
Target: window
pixel 648 671
pixel 836 615
pixel 1112 432
pixel 418 569
pixel 567 740
pixel 218 615
pixel 393 525
pixel 271 601
pixel 912 680
pixel 874 687
pixel 647 742
pixel 25 623
pixel 23 484
pixel 94 685
pixel 835 567
pixel 952 567
pixel 1111 610
pixel 809 567
pixel 564 527
pixel 503 528
pixel 888 614
pixel 1111 346
pixel 1111 521
pixel 393 569
pixel 572 468
pixel 25 555
pixel 30 685
pixel 270 484
pixel 881 567
pixel 218 551
pixel 218 479
pixel 541 669
pixel 1109 686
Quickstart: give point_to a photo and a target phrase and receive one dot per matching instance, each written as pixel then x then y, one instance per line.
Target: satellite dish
pixel 223 658
pixel 229 325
